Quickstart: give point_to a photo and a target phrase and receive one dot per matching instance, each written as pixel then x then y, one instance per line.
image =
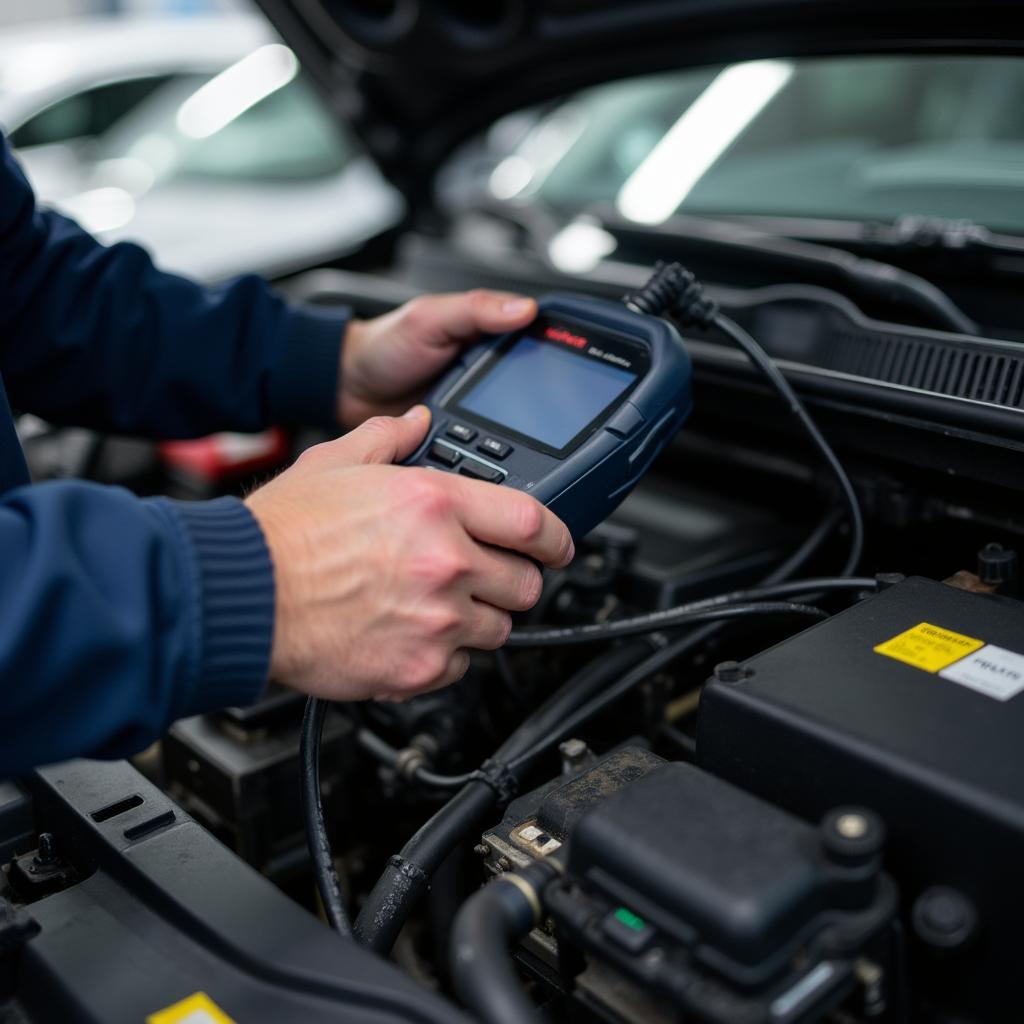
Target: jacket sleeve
pixel 118 615
pixel 97 336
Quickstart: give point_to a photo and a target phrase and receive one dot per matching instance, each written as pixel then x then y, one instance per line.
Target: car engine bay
pixel 754 757
pixel 677 819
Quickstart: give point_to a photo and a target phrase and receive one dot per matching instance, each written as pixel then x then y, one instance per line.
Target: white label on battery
pixel 993 671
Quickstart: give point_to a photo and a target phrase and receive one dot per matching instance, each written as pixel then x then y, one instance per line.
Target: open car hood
pixel 416 77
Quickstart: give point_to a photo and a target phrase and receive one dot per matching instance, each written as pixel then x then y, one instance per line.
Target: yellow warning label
pixel 929 647
pixel 197 1009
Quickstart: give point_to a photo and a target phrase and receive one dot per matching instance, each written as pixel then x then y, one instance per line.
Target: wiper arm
pixel 917 232
pixel 860 277
pixel 867 278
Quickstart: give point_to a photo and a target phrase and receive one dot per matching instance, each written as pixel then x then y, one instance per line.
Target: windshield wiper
pixel 855 276
pixel 858 276
pixel 954 237
pixel 946 243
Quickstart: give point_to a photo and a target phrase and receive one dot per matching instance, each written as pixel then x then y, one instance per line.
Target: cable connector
pixel 500 778
pixel 420 753
pixel 674 291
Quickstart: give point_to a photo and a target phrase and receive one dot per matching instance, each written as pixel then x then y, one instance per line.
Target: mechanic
pixel 345 577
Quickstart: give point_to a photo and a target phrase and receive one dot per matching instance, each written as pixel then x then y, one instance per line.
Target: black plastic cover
pixel 163 911
pixel 563 806
pixel 724 873
pixel 824 718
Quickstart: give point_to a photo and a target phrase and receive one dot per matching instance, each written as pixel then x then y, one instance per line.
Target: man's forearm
pixel 98 336
pixel 119 615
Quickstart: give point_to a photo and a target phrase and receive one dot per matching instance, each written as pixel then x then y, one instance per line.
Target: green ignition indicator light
pixel 630 920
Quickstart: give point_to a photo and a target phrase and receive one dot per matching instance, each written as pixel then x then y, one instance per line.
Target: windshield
pixel 852 138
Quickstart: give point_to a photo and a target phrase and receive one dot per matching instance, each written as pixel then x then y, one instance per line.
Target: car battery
pixel 910 703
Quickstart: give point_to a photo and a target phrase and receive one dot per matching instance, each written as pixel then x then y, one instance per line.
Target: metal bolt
pixel 410 759
pixel 731 672
pixel 504 864
pixel 997 565
pixel 851 826
pixel 480 850
pixel 852 835
pixel 574 755
pixel 868 973
pixel 872 981
pixel 47 850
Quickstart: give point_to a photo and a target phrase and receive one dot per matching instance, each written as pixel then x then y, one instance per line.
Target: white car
pixel 195 136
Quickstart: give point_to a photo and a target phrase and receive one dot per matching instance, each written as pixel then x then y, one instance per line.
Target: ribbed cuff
pixel 304 386
pixel 232 601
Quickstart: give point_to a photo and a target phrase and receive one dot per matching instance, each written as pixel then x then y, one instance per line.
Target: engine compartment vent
pixel 944 368
pixel 980 370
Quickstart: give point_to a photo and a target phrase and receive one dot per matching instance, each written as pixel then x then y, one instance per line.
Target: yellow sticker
pixel 197 1009
pixel 929 647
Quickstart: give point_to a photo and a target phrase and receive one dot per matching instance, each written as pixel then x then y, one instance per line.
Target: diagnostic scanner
pixel 571 409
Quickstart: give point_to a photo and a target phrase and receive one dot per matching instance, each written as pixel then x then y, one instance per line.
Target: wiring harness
pixel 672 292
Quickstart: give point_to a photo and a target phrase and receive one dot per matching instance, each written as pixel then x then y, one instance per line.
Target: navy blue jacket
pixel 118 615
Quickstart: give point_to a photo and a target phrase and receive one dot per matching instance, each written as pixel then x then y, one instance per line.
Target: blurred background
pixel 21 11
pixel 187 126
pixel 184 124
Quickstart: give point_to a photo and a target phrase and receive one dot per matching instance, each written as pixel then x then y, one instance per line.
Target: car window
pixel 287 135
pixel 87 113
pixel 854 138
pixel 233 129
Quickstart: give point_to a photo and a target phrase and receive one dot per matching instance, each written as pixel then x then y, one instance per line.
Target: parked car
pixel 195 136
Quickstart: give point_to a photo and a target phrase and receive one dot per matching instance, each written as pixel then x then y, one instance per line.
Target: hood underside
pixel 414 78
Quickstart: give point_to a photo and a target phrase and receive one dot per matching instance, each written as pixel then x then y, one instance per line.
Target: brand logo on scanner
pixel 565 337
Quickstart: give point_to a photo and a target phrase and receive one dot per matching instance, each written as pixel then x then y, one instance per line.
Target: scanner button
pixel 461 432
pixel 478 471
pixel 443 454
pixel 626 421
pixel 493 447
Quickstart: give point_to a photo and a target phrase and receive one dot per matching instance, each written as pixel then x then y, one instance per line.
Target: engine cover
pixel 909 703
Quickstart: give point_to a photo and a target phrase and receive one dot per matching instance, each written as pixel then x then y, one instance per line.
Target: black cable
pixel 807 549
pixel 486 928
pixel 313 815
pixel 868 278
pixel 672 291
pixel 429 778
pixel 389 756
pixel 667 618
pixel 572 635
pixel 407 875
pixel 675 649
pixel 735 604
pixel 766 365
pixel 636 675
pixel 507 678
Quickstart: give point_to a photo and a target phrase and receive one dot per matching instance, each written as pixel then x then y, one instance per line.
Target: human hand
pixel 385 575
pixel 387 363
